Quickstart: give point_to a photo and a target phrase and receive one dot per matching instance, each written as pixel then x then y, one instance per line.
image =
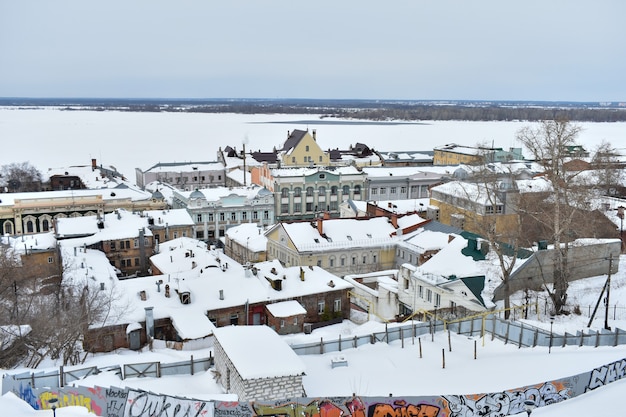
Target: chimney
pixel 93 164
pixel 221 294
pixel 314 135
pixel 394 220
pixel 320 226
pixel 149 322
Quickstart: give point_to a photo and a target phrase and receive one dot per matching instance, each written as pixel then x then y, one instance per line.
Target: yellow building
pixel 301 150
pixel 474 208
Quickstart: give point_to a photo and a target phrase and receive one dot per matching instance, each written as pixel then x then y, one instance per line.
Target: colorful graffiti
pixel 120 402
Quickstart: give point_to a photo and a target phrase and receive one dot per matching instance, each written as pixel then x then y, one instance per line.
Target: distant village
pixel 297 237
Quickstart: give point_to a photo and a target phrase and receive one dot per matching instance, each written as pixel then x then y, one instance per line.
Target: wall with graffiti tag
pixel 120 402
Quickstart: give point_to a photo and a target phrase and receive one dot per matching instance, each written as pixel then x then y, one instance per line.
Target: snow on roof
pixel 402 206
pixel 216 193
pixel 340 233
pixel 171 217
pixel 404 155
pixel 286 308
pixel 35 242
pixel 386 172
pixel 270 357
pixel 468 191
pixel 536 185
pixel 450 261
pixel 249 235
pixel 427 240
pixel 185 167
pixel 109 194
pixel 237 175
pixel 119 225
pixel 300 172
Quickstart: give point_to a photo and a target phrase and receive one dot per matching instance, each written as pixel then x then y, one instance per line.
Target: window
pixel 293 159
pixel 357 190
pixel 198 218
pixel 234 319
pixel 392 190
pixel 320 307
pixel 309 191
pixel 374 191
pixel 319 263
pixel 244 215
pixel 295 321
pixel 306 148
pixel 45 225
pixel 233 216
pixel 406 284
pixel 345 190
pixel 333 190
pixel 255 215
pixel 50 260
pixel 136 243
pixel 266 215
pixel 297 192
pixel 309 206
pixel 429 295
pixel 364 259
pixel 222 217
pixel 343 261
pixel 374 258
pixel 136 261
pixel 402 190
pixel 297 207
pixel 331 262
pixel 354 260
pixel 320 158
pixel 322 175
pixel 29 226
pixel 210 217
pixel 282 323
pixel 437 299
pixel 284 193
pixel 421 291
pixel 112 245
pixel 284 208
pixel 334 206
pixel 321 192
pixel 383 190
pixel 337 305
pixel 128 244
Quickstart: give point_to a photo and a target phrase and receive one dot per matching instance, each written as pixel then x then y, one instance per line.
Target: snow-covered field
pixel 51 138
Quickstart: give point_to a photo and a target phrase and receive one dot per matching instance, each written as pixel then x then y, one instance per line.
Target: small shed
pixel 254 363
pixel 286 317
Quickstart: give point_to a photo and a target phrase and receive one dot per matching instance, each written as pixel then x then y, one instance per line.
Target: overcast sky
pixel 402 49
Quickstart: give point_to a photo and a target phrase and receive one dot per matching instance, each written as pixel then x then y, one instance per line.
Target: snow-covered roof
pixel 301 172
pixel 426 240
pixel 34 242
pixel 449 261
pixel 340 233
pixel 216 193
pixel 185 166
pixel 468 191
pixel 271 356
pixel 119 225
pixel 249 235
pixel 109 194
pixel 286 308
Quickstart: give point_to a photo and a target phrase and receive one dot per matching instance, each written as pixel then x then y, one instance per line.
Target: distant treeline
pixel 355 109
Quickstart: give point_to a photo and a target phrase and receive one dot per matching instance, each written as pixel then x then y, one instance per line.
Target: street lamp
pixel 551 323
pixel 529 406
pixel 53 404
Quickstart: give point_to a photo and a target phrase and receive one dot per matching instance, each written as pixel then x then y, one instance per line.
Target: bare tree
pixel 608 169
pixel 20 177
pixel 551 142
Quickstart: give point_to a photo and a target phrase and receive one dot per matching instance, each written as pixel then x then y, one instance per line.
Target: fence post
pixel 597 338
pixel 158 369
pixel 191 362
pixel 61 377
pixel 521 333
pixel 340 342
pixel 354 342
pixel 506 336
pixel 321 345
pixel 535 337
pixel 616 336
pixel 402 337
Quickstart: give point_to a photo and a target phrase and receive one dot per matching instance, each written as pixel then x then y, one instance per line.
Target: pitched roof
pixel 294 138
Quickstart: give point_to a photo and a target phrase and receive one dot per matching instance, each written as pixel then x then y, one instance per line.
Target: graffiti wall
pixel 119 402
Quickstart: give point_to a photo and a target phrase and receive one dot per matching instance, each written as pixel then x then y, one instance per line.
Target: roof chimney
pixel 314 135
pixel 93 164
pixel 320 226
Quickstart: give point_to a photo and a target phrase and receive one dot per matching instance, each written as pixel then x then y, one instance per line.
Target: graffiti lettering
pixel 26 393
pixel 401 408
pixel 67 399
pixel 143 404
pixel 607 374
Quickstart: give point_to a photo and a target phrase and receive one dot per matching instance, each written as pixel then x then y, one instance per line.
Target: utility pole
pixel 607 288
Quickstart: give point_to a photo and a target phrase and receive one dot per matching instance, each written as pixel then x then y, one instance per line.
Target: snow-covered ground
pixel 382 369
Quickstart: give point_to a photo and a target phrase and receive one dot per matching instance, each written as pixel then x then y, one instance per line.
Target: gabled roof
pixel 294 138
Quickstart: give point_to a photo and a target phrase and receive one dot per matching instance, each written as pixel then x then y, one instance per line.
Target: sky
pixel 561 50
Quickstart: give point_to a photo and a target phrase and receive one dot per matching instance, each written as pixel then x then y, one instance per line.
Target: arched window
pixel 333 190
pixel 284 192
pixel 357 190
pixel 345 190
pixel 297 192
pixel 309 191
pixel 45 225
pixel 30 227
pixel 8 228
pixel 322 191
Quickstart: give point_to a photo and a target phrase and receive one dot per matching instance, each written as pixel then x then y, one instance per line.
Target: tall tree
pixel 551 143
